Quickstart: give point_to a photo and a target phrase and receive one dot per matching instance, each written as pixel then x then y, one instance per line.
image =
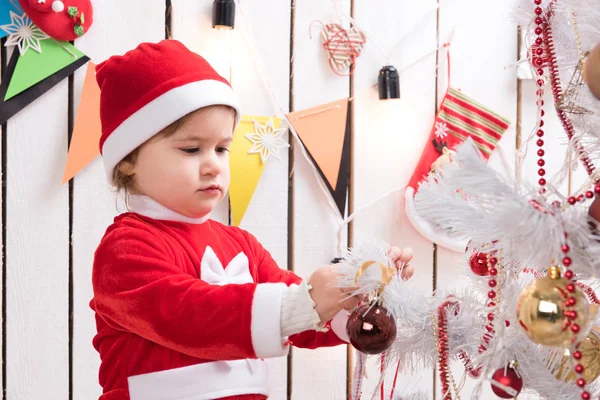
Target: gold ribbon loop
pixel 387 273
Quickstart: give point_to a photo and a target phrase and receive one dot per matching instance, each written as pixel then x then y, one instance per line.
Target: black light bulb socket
pixel 388 83
pixel 223 16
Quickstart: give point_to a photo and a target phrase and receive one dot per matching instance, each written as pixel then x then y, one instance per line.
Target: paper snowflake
pixel 23 33
pixel 266 140
pixel 441 130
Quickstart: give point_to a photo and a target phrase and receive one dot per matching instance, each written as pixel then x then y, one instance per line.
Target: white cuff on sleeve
pixel 266 320
pixel 298 312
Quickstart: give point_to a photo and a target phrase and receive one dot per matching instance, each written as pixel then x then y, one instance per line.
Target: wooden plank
pixel 262 33
pixel 191 24
pixel 94 205
pixel 318 374
pixel 485 75
pixel 388 138
pixel 3 141
pixel 37 250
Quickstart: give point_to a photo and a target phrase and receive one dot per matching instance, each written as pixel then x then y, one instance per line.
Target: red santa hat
pixel 60 19
pixel 149 88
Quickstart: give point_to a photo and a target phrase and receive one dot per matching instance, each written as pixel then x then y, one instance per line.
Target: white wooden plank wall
pixel 387 139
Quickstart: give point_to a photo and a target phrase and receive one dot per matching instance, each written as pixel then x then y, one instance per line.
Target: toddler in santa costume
pixel 186 307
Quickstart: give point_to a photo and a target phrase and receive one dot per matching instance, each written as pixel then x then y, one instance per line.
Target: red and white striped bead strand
pixel 539 62
pixel 493 266
pixel 571 315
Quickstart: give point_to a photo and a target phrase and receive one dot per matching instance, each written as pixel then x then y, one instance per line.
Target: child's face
pixel 188 171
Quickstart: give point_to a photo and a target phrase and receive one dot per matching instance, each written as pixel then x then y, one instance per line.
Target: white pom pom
pixel 58 6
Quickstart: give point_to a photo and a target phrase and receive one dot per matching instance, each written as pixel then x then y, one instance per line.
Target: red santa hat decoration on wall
pixel 60 19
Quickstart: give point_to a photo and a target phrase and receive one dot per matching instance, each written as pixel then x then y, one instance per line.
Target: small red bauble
pixel 478 264
pixel 569 274
pixel 371 329
pixel 506 383
pixel 586 395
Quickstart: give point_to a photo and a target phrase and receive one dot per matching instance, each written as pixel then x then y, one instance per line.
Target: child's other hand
pixel 327 297
pixel 400 258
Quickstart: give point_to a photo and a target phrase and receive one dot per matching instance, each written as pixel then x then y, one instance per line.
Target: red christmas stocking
pixel 458 118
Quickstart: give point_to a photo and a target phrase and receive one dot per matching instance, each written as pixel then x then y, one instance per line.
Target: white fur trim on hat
pixel 160 113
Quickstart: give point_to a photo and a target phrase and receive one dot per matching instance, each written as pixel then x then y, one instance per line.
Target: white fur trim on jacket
pixel 266 321
pixel 206 381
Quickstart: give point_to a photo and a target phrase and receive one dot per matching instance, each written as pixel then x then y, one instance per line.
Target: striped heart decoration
pixel 343 46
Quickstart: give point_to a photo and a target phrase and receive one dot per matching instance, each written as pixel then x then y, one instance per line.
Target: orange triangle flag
pixel 86 133
pixel 322 130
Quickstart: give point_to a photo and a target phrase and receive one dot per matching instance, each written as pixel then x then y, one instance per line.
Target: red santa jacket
pixel 186 309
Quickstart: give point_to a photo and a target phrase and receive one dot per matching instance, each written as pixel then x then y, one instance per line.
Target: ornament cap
pixel 554 272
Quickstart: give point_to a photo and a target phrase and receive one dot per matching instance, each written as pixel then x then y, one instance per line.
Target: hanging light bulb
pixel 388 83
pixel 223 16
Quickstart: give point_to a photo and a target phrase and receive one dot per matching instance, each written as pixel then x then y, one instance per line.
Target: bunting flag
pixel 33 67
pixel 254 141
pixel 18 102
pixel 325 133
pixel 86 133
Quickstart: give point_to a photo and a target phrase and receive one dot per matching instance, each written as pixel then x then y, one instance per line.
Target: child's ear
pixel 127 167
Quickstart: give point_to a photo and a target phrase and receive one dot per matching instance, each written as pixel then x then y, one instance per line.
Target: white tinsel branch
pixel 471 199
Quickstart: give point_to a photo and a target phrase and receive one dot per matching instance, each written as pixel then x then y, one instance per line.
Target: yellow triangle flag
pixel 322 130
pixel 87 130
pixel 246 169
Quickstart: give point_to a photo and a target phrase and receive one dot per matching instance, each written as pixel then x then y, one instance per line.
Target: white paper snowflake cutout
pixel 441 130
pixel 23 33
pixel 266 140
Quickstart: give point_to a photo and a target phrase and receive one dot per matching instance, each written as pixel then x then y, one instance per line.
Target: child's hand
pixel 401 259
pixel 327 297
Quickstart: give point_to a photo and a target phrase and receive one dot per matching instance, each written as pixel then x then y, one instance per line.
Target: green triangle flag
pixel 34 67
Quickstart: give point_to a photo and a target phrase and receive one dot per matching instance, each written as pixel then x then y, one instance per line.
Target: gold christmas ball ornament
pixel 591 71
pixel 590 359
pixel 549 313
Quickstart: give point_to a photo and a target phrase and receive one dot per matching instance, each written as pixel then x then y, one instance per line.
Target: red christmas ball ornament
pixel 478 263
pixel 371 329
pixel 506 383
